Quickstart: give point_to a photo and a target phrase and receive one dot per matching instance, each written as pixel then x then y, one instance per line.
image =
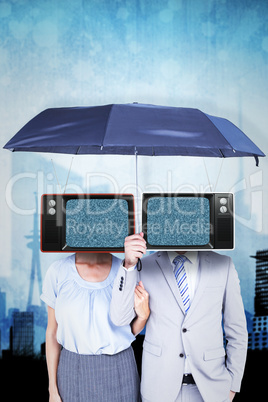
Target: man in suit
pixel 184 358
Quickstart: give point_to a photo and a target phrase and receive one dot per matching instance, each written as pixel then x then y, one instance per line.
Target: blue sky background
pixel 206 54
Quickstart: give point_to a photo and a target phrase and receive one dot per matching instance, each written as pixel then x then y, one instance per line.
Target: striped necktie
pixel 181 279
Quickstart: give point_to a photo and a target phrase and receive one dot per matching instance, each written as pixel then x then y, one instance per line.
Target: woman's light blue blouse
pixel 82 310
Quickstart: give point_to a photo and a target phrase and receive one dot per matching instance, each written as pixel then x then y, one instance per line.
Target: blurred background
pixel 205 54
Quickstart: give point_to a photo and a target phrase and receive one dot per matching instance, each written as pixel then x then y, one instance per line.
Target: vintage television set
pixel 174 221
pixel 86 222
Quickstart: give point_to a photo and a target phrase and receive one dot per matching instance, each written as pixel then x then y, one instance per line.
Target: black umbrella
pixel 133 129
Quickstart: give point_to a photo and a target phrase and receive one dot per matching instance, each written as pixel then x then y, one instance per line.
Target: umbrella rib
pixel 106 126
pixel 225 139
pixel 222 152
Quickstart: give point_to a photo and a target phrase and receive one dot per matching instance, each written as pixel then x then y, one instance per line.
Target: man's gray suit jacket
pixel 171 336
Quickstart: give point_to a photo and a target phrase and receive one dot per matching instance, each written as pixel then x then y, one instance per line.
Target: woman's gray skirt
pixel 98 378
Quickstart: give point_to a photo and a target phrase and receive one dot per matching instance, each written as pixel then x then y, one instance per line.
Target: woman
pixel 88 357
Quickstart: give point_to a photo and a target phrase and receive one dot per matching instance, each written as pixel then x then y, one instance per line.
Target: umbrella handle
pixel 139 265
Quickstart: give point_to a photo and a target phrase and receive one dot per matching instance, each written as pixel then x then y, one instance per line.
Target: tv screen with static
pixel 98 223
pixel 86 222
pixel 188 221
pixel 184 220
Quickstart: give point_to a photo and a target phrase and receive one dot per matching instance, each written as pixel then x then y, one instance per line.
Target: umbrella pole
pixel 138 230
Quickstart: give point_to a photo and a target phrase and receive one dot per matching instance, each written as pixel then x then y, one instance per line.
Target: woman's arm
pixel 142 309
pixel 53 349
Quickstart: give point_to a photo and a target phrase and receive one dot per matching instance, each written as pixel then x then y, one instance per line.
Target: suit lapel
pixel 205 269
pixel 164 264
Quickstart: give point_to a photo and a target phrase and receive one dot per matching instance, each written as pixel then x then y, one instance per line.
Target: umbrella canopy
pixel 133 129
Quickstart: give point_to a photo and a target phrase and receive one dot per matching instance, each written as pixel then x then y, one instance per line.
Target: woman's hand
pixel 141 302
pixel 142 309
pixel 54 397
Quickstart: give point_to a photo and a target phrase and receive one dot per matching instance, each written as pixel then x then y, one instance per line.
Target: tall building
pixel 2 306
pixel 258 339
pixel 2 317
pixel 23 333
pixel 261 286
pixel 34 245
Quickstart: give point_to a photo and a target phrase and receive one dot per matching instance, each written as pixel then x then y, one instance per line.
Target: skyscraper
pixel 2 316
pixel 2 306
pixel 23 333
pixel 261 286
pixel 258 339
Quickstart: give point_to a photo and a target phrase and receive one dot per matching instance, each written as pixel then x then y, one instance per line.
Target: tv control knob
pixel 52 203
pixel 223 209
pixel 52 211
pixel 223 201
